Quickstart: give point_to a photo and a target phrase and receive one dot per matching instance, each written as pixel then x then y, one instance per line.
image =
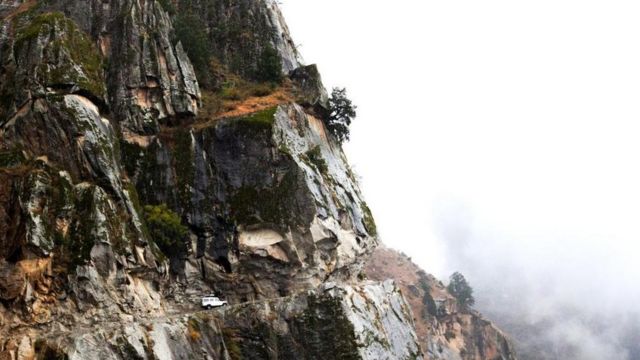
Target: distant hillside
pixel 445 330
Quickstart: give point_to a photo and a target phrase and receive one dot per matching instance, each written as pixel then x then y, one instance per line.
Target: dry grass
pixel 236 108
pixel 194 334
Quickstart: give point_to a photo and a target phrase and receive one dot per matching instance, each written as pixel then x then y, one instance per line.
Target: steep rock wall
pixel 368 322
pixel 265 194
pixel 98 104
pixel 241 31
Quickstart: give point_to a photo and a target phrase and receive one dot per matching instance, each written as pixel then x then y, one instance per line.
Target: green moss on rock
pixel 166 228
pixel 325 329
pixel 258 121
pixel 184 163
pixel 251 205
pixel 314 158
pixel 71 57
pixel 369 222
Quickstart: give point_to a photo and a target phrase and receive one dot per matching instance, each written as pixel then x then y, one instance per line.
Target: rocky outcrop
pixel 270 199
pixel 241 33
pixel 311 92
pixel 138 72
pixel 119 208
pixel 369 322
pixel 446 330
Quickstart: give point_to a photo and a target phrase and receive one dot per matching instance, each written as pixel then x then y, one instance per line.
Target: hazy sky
pixel 496 137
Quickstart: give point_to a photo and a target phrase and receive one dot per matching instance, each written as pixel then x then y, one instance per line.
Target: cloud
pixel 560 298
pixel 500 138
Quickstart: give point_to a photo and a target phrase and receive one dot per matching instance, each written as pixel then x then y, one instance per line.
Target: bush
pixel 165 228
pixel 269 66
pixel 315 158
pixel 461 290
pixel 190 30
pixel 342 112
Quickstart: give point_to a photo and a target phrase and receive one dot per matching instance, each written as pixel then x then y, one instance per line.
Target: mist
pixel 500 138
pixel 562 293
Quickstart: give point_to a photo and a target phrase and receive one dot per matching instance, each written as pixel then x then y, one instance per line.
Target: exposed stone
pixel 310 90
pixel 96 103
pixel 369 322
pixel 445 330
pixel 239 33
pixel 150 78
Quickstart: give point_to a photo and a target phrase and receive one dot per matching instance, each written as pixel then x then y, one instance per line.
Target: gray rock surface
pixel 368 322
pixel 150 78
pixel 98 129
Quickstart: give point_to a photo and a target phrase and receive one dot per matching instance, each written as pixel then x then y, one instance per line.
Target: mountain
pixel 153 152
pixel 445 328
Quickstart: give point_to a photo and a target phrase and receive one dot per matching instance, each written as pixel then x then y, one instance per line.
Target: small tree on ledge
pixel 461 290
pixel 342 112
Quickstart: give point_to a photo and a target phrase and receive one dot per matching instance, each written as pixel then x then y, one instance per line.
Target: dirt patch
pixel 248 106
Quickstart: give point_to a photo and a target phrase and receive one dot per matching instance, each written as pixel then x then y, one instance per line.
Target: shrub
pixel 269 66
pixel 165 228
pixel 190 30
pixel 315 158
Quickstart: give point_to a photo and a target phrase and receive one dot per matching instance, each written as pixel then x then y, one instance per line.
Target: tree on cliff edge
pixel 461 290
pixel 342 113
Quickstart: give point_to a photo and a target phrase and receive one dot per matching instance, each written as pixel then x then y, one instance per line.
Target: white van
pixel 212 301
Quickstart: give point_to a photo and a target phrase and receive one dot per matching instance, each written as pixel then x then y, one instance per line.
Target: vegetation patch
pixel 191 31
pixel 72 56
pixel 184 164
pixel 233 99
pixel 269 67
pixel 254 124
pixel 314 158
pixel 166 229
pixel 324 329
pixel 429 303
pixel 461 290
pixel 368 221
pixel 341 114
pixel 262 118
pixel 251 205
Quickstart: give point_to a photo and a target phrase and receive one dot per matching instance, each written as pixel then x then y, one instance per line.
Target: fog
pixel 500 138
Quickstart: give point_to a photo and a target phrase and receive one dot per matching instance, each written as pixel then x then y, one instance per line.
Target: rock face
pixel 120 206
pixel 369 322
pixel 269 198
pixel 445 329
pixel 149 76
pixel 241 32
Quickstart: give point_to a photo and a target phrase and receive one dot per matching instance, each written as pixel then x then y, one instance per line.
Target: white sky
pixel 494 136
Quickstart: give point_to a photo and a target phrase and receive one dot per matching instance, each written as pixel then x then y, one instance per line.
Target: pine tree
pixel 461 290
pixel 342 113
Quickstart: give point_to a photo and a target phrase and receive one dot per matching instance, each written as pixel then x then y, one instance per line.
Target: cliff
pixel 445 329
pixel 152 152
